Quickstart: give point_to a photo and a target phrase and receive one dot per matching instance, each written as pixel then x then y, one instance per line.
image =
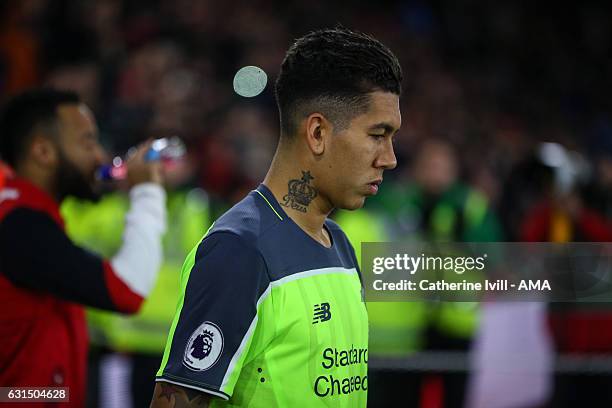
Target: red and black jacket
pixel 44 281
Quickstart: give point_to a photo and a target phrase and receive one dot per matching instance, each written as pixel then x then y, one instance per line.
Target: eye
pixel 380 136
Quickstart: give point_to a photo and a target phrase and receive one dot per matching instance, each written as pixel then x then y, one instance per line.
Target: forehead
pixel 383 109
pixel 76 118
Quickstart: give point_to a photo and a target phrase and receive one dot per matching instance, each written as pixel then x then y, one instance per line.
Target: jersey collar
pixel 267 195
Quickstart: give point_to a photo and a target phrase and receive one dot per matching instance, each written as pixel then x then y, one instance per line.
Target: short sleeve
pixel 224 280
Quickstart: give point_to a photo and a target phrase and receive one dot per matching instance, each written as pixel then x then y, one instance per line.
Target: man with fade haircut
pixel 272 313
pixel 50 140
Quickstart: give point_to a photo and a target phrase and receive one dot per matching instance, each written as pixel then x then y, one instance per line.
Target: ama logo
pixel 204 347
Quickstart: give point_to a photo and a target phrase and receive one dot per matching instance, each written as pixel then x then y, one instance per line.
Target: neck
pixel 302 203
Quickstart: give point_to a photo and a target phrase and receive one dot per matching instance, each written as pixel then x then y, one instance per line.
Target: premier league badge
pixel 204 347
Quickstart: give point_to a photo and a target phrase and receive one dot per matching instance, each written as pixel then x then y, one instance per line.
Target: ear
pixel 318 132
pixel 43 151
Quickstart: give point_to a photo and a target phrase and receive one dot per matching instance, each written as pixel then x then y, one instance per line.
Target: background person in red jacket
pixel 49 138
pixel 571 211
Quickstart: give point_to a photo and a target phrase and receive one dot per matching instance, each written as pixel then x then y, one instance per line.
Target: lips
pixel 374 186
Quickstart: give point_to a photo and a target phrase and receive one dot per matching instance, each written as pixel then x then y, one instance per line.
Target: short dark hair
pixel 23 114
pixel 332 71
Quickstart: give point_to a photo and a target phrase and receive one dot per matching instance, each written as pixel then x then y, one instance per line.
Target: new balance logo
pixel 321 313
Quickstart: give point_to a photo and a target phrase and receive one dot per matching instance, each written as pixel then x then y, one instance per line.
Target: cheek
pixel 343 177
pixel 82 159
pixel 350 157
pixel 82 163
pixel 338 169
pixel 345 166
pixel 358 162
pixel 87 157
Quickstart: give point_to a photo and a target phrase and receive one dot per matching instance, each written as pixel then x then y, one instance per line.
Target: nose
pixel 386 159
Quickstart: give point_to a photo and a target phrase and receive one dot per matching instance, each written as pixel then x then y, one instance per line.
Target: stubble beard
pixel 70 181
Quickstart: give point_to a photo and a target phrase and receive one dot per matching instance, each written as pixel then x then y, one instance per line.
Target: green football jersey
pixel 268 316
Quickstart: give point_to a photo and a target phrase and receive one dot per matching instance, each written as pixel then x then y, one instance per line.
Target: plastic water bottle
pixel 167 149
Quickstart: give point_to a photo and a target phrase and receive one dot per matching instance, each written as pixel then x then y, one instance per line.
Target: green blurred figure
pixel 432 206
pixel 128 350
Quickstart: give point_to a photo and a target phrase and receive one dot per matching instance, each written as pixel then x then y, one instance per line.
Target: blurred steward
pixel 127 350
pixel 49 138
pixel 434 205
pixel 573 208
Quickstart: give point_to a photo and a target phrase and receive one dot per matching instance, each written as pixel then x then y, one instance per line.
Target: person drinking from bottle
pixel 50 140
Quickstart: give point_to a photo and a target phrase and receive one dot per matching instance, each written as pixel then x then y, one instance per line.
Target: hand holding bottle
pixel 141 170
pixel 164 152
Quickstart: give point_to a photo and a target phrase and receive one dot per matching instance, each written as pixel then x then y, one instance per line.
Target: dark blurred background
pixel 506 136
pixel 493 78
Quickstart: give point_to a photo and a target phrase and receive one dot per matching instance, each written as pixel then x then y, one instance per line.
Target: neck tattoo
pixel 301 193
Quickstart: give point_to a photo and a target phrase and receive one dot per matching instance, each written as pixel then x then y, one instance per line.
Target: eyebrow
pixel 384 125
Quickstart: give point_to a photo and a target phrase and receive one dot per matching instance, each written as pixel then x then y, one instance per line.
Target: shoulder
pixel 227 247
pixel 19 193
pixel 10 200
pixel 236 237
pixel 249 220
pixel 17 218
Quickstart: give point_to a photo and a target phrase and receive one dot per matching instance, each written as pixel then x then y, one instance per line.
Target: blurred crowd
pixel 506 118
pixel 491 79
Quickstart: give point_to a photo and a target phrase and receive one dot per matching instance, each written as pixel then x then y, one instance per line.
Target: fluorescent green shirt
pixel 268 316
